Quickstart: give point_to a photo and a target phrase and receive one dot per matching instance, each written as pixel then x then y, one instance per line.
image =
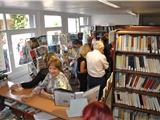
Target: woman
pixel 39 77
pixel 82 67
pixel 53 80
pixel 97 111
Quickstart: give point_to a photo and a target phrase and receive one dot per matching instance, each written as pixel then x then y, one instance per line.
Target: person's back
pixel 96 66
pixel 82 67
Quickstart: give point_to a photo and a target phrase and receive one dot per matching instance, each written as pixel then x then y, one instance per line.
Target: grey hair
pixel 98 45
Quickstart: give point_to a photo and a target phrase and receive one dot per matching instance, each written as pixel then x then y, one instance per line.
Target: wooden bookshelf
pixel 136 74
pixel 136 109
pixel 142 92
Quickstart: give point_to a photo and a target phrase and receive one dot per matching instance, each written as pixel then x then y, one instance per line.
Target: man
pixel 96 66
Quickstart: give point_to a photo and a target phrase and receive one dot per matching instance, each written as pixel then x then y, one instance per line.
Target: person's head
pixel 98 45
pixel 77 43
pixel 97 111
pixel 47 56
pixel 54 66
pixel 84 49
pixel 93 35
pixel 105 40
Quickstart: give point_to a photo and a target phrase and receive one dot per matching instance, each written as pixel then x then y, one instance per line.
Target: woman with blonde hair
pixel 82 67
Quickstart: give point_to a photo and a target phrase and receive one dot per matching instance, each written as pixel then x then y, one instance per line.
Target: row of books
pixel 137 100
pixel 103 28
pixel 138 63
pixel 37 114
pixel 123 114
pixel 143 43
pixel 138 82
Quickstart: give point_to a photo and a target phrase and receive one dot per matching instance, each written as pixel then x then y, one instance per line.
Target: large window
pixel 20 21
pixel 84 28
pixel 2 25
pixel 52 21
pixel 21 49
pixel 54 32
pixel 84 21
pixel 4 56
pixel 73 25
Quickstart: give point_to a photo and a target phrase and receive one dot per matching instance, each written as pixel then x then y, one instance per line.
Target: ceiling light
pixel 131 13
pixel 109 3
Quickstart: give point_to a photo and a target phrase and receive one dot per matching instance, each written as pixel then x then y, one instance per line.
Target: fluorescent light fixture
pixel 131 13
pixel 109 3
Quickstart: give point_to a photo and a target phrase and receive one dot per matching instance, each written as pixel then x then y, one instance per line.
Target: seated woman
pixel 40 76
pixel 97 111
pixel 53 80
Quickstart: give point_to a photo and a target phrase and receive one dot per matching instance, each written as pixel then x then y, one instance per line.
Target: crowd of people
pixel 93 67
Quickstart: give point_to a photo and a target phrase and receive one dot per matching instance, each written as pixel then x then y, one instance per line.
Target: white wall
pixel 114 20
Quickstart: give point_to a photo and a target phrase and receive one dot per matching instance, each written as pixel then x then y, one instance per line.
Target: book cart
pixel 136 78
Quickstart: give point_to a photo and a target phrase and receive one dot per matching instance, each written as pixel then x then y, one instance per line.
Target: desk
pixel 38 102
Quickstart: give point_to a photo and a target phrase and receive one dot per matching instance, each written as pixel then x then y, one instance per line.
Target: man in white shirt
pixel 96 66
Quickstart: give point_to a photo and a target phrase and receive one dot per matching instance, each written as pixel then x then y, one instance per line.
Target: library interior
pixel 79 60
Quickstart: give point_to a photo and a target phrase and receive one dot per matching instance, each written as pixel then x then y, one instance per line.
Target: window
pixel 52 21
pixel 85 31
pixel 73 25
pixel 2 25
pixel 84 21
pixel 4 56
pixel 55 32
pixel 20 21
pixel 21 50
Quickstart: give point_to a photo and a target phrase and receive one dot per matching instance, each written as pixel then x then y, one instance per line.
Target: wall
pixel 114 20
pixel 149 19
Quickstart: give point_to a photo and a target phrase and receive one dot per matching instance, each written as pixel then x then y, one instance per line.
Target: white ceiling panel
pixel 89 7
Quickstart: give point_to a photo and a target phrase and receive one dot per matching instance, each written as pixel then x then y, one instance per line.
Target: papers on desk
pixel 43 116
pixel 62 97
pixel 76 107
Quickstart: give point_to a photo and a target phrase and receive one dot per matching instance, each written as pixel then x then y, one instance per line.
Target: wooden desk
pixel 38 102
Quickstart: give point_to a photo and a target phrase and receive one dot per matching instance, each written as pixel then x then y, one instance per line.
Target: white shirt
pixel 96 63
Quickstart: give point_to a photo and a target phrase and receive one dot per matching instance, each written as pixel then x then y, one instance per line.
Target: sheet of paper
pixel 76 107
pixel 43 116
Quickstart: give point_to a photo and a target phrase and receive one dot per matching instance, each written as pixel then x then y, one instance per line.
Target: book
pixel 43 116
pixel 131 62
pixel 9 102
pixel 63 97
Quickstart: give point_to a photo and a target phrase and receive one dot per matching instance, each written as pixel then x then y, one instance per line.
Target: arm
pixel 43 85
pixel 40 77
pixel 83 67
pixel 104 62
pixel 46 94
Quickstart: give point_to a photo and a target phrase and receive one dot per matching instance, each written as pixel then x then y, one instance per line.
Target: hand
pixel 25 97
pixel 36 90
pixel 16 87
pixel 45 94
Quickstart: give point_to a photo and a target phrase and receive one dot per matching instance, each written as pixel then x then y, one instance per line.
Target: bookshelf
pixel 99 30
pixel 136 78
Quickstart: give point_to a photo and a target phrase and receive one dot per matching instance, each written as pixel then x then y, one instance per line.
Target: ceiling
pixel 90 7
